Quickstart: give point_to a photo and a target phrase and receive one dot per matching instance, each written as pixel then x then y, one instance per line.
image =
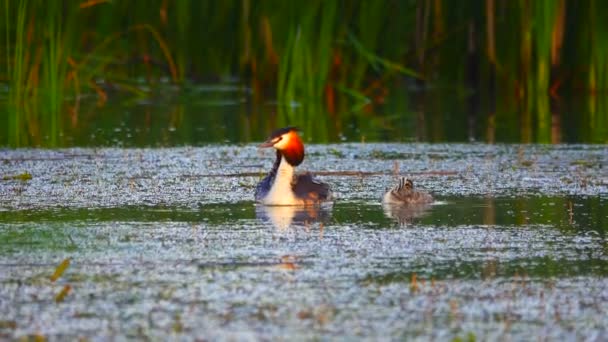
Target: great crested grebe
pixel 281 186
pixel 404 193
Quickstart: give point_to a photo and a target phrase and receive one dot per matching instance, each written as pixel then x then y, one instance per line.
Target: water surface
pixel 166 243
pixel 196 115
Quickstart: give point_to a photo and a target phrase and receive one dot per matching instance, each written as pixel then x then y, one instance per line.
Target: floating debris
pixel 63 293
pixel 60 270
pixel 26 176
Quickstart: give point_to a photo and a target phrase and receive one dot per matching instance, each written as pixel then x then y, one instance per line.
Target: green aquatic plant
pixel 326 63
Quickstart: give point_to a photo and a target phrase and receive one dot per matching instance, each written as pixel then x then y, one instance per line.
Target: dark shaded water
pixel 167 243
pixel 199 115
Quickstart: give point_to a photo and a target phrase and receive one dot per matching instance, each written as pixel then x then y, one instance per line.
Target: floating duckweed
pixel 170 242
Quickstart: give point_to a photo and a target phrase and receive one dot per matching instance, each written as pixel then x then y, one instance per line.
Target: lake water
pixel 169 116
pixel 167 243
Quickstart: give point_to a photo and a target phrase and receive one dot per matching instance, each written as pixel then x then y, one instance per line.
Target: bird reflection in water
pixel 283 217
pixel 406 214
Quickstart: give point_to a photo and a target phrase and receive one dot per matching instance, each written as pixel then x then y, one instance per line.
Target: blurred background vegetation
pixel 175 72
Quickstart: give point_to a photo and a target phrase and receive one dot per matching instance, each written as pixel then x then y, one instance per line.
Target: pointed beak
pixel 267 143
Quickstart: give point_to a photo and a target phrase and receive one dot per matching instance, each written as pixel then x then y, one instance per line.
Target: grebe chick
pixel 281 186
pixel 404 193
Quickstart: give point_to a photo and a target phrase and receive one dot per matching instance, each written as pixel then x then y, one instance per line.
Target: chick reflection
pixel 403 203
pixel 284 216
pixel 405 214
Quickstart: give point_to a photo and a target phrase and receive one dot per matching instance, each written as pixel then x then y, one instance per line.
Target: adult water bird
pixel 282 186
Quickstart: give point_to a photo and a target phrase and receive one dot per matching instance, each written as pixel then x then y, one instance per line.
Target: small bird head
pixel 405 184
pixel 288 143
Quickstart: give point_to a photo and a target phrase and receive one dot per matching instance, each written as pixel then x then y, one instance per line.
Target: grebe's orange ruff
pixel 282 186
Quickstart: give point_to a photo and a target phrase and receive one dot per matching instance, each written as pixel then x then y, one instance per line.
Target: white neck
pixel 281 191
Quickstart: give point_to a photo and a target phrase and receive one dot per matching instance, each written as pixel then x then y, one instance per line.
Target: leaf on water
pixel 34 338
pixel 178 327
pixel 414 283
pixel 527 163
pixel 290 266
pixel 584 163
pixel 22 177
pixel 470 337
pixel 64 292
pixel 305 314
pixel 453 309
pixel 288 262
pixel 322 314
pixel 8 325
pixel 60 269
pixel 289 258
